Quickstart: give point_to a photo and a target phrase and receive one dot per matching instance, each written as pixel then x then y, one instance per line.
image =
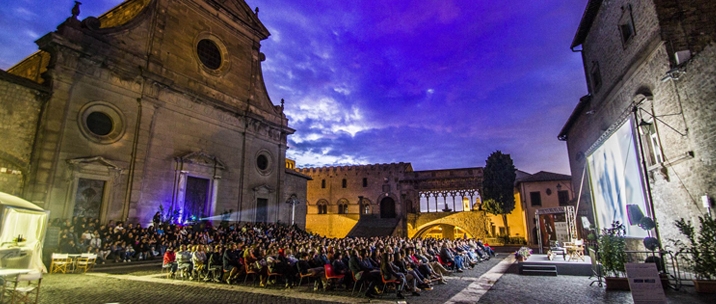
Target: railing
pixel 684 265
pixel 677 268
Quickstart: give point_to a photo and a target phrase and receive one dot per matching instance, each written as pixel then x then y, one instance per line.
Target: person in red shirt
pixel 170 261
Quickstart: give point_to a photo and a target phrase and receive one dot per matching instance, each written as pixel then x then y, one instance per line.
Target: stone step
pixel 552 273
pixel 539 267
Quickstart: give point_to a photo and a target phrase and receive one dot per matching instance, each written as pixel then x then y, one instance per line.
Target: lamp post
pixel 293 200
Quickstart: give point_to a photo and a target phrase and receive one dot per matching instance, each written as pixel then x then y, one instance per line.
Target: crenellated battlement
pixel 400 167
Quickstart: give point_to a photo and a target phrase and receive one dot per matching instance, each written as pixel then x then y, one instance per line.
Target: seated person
pixel 215 262
pixel 170 261
pixel 230 261
pixel 183 258
pixel 317 272
pixel 198 260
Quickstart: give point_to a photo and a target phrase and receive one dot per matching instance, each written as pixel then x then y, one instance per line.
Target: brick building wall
pixel 22 103
pixel 641 83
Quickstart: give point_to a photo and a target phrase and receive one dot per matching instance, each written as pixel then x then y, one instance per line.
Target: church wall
pixel 175 44
pixel 168 107
pixel 294 184
pixel 19 114
pixel 65 137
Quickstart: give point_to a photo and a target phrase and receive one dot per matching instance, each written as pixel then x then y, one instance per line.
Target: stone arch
pixel 474 223
pixel 445 234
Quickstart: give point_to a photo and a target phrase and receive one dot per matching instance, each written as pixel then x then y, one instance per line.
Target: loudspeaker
pixel 634 213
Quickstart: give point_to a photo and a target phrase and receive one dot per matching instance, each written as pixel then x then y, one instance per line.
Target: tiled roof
pixel 587 19
pixel 543 176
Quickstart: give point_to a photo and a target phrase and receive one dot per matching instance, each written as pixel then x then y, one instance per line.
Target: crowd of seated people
pixel 274 253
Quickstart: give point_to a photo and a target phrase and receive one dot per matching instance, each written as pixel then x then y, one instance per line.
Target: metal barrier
pixel 677 267
pixel 684 265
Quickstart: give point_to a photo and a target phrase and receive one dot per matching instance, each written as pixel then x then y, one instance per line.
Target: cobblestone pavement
pixel 145 284
pixel 515 288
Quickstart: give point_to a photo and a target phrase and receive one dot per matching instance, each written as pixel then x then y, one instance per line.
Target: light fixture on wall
pixel 646 124
pixel 559 186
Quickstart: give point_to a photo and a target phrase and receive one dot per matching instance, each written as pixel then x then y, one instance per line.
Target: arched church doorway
pixel 387 208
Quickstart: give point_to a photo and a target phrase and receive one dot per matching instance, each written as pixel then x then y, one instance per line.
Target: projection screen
pixel 616 184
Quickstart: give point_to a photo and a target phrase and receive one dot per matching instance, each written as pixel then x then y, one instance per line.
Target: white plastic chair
pixel 19 292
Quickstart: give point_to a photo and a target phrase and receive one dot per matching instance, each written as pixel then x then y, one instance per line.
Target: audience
pixel 225 252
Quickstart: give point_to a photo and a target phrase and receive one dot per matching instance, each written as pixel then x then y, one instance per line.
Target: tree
pixel 498 186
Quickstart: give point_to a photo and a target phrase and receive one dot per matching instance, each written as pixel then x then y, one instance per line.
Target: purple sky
pixel 440 84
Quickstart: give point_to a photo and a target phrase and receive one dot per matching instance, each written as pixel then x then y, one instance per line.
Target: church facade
pixel 155 105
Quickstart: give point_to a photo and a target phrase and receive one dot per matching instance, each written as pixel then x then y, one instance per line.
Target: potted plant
pixel 612 244
pixel 523 253
pixel 703 252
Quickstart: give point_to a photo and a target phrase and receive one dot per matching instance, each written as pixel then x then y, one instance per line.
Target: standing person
pixel 157 219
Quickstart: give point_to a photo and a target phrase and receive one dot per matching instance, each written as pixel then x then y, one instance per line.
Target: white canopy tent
pixel 20 218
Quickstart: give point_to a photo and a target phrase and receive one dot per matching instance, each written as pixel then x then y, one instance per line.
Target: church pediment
pixel 263 189
pixel 96 161
pixel 202 159
pixel 239 9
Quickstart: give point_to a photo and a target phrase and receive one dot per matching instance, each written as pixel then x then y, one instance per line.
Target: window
pixel 563 196
pixel 596 76
pixel 626 25
pixel 503 231
pixel 652 138
pixel 536 198
pixel 101 122
pixel 343 208
pixel 262 162
pixel 365 182
pixel 656 148
pixel 209 54
pixel 322 207
pixel 323 183
pixel 344 183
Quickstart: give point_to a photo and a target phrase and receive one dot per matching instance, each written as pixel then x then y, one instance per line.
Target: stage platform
pixel 574 268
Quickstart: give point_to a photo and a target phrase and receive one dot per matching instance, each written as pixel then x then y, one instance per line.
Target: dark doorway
pixel 88 199
pixel 387 208
pixel 261 210
pixel 195 198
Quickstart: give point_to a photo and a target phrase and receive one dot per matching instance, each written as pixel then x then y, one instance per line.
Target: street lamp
pixel 293 200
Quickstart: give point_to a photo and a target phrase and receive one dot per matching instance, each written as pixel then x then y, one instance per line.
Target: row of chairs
pixel 63 263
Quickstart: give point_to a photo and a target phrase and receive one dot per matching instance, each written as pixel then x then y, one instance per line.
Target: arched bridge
pixel 473 223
